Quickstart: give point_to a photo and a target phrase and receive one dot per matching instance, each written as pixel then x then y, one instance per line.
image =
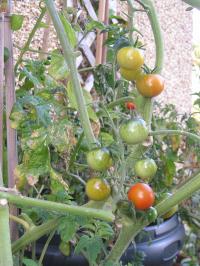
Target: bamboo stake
pixel 1 88
pixel 106 21
pixel 46 37
pixel 99 40
pixel 10 99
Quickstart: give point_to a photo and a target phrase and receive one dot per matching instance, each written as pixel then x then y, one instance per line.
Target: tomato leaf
pixel 16 22
pixel 91 246
pixel 29 262
pixel 69 30
pixel 58 68
pixel 88 100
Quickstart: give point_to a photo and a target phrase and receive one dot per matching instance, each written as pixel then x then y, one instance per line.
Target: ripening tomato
pixel 141 195
pixel 130 106
pixel 97 189
pixel 145 168
pixel 130 58
pixel 130 75
pixel 99 159
pixel 150 85
pixel 134 131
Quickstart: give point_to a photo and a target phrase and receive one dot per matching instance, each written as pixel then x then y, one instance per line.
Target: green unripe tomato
pixel 99 159
pixel 97 189
pixel 146 168
pixel 152 214
pixel 64 248
pixel 134 131
pixel 130 58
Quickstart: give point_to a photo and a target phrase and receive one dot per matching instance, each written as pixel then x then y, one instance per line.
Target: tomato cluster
pixel 130 60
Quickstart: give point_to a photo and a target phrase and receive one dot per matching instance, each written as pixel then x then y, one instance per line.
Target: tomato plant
pixel 146 168
pixel 134 131
pixel 130 58
pixel 150 85
pixel 99 159
pixel 97 189
pixel 141 195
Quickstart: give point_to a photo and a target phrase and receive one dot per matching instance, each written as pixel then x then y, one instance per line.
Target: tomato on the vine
pixel 130 74
pixel 130 58
pixel 97 189
pixel 145 168
pixel 134 131
pixel 150 85
pixel 64 248
pixel 99 159
pixel 152 214
pixel 130 105
pixel 141 195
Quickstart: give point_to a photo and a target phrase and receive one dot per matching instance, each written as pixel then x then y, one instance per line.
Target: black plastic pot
pixel 160 243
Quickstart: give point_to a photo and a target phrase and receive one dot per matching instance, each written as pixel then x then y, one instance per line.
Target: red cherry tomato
pixel 141 195
pixel 130 106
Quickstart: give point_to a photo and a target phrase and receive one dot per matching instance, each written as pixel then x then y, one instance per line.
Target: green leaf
pixel 106 139
pixel 67 228
pixel 69 30
pixel 16 22
pixel 169 170
pixel 29 262
pixel 61 136
pixel 91 246
pixel 37 161
pixel 88 100
pixel 42 25
pixel 58 68
pixel 94 24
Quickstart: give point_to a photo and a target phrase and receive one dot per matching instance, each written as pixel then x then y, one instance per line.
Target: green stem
pixel 34 234
pixel 45 248
pixel 70 60
pixel 193 3
pixel 31 35
pixel 131 229
pixel 58 207
pixel 5 244
pixel 155 25
pixel 175 132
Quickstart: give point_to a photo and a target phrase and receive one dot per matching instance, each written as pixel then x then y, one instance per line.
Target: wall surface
pixel 176 24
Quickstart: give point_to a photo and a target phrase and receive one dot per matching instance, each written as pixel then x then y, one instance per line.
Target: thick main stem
pixel 5 242
pixel 58 207
pixel 70 59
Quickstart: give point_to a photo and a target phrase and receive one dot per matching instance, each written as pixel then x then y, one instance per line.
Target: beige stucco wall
pixel 176 24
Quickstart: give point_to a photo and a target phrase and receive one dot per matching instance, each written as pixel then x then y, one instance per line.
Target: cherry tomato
pixel 97 189
pixel 141 195
pixel 152 214
pixel 130 106
pixel 150 85
pixel 145 168
pixel 130 58
pixel 134 131
pixel 64 248
pixel 130 75
pixel 99 159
